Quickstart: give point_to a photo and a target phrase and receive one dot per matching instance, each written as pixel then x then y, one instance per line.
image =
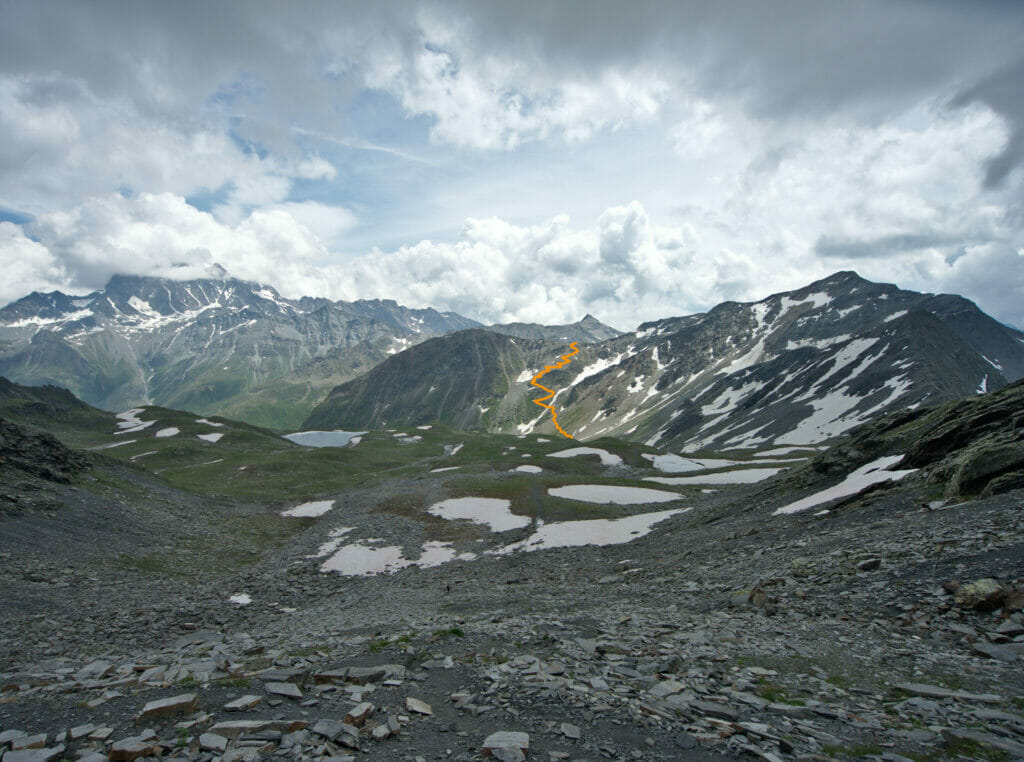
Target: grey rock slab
pixel 666 688
pixel 232 729
pixel 364 675
pixel 35 755
pixel 95 670
pixel 81 731
pixel 506 739
pixel 331 676
pixel 570 731
pixel 381 733
pixel 992 651
pixel 9 735
pixel 418 706
pixel 328 728
pixel 36 741
pixel 288 690
pixel 184 703
pixel 937 692
pixel 93 756
pixel 242 703
pixel 128 749
pixel 712 709
pixel 357 715
pixel 213 742
pixel 986 739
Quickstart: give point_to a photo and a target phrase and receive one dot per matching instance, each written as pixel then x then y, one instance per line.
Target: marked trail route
pixel 562 362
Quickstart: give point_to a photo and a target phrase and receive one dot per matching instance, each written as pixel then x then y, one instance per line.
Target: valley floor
pixel 725 633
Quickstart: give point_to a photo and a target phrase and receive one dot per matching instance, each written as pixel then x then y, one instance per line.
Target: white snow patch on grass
pixel 872 473
pixel 334 540
pixel 894 316
pixel 607 458
pixel 446 468
pixel 739 476
pixel 528 469
pixel 573 534
pixel 608 493
pixel 360 559
pixel 452 449
pixel 208 423
pixel 672 464
pixel 170 431
pixel 214 437
pixel 309 510
pixel 490 511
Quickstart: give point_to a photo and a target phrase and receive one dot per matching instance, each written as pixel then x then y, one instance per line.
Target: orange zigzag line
pixel 562 362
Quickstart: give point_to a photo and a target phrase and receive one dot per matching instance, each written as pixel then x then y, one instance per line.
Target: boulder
pixel 982 595
pixel 980 464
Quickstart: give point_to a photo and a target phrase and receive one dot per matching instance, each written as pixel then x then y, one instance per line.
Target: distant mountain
pixel 226 347
pixel 589 330
pixel 799 367
pixel 468 379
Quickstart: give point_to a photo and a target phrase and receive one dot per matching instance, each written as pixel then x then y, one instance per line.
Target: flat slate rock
pixel 288 690
pixel 182 704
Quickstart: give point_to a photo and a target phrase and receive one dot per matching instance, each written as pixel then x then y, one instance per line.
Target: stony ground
pixel 725 633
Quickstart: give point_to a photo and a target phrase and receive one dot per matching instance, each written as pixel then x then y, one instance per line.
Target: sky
pixel 528 161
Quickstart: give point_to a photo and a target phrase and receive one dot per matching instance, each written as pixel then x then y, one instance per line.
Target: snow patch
pixel 170 431
pixel 215 437
pixel 607 493
pixel 528 469
pixel 894 316
pixel 673 464
pixel 208 423
pixel 240 599
pixel 873 473
pixel 309 510
pixel 492 512
pixel 739 476
pixel 607 458
pixel 574 534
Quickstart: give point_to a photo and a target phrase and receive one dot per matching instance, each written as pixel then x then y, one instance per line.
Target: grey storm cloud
pixel 801 57
pixel 848 248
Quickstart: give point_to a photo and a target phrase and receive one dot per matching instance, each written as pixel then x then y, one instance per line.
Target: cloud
pixel 705 151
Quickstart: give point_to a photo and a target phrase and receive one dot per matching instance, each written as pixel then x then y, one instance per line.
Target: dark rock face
pixel 37 454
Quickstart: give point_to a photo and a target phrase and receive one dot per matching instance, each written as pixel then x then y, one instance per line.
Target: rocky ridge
pixel 801 367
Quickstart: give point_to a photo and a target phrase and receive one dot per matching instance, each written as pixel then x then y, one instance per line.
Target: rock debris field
pixel 889 628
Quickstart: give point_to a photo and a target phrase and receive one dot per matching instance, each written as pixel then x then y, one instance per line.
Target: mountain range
pixel 213 346
pixel 799 367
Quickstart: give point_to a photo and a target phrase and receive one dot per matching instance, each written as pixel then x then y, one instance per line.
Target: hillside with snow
pixel 794 368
